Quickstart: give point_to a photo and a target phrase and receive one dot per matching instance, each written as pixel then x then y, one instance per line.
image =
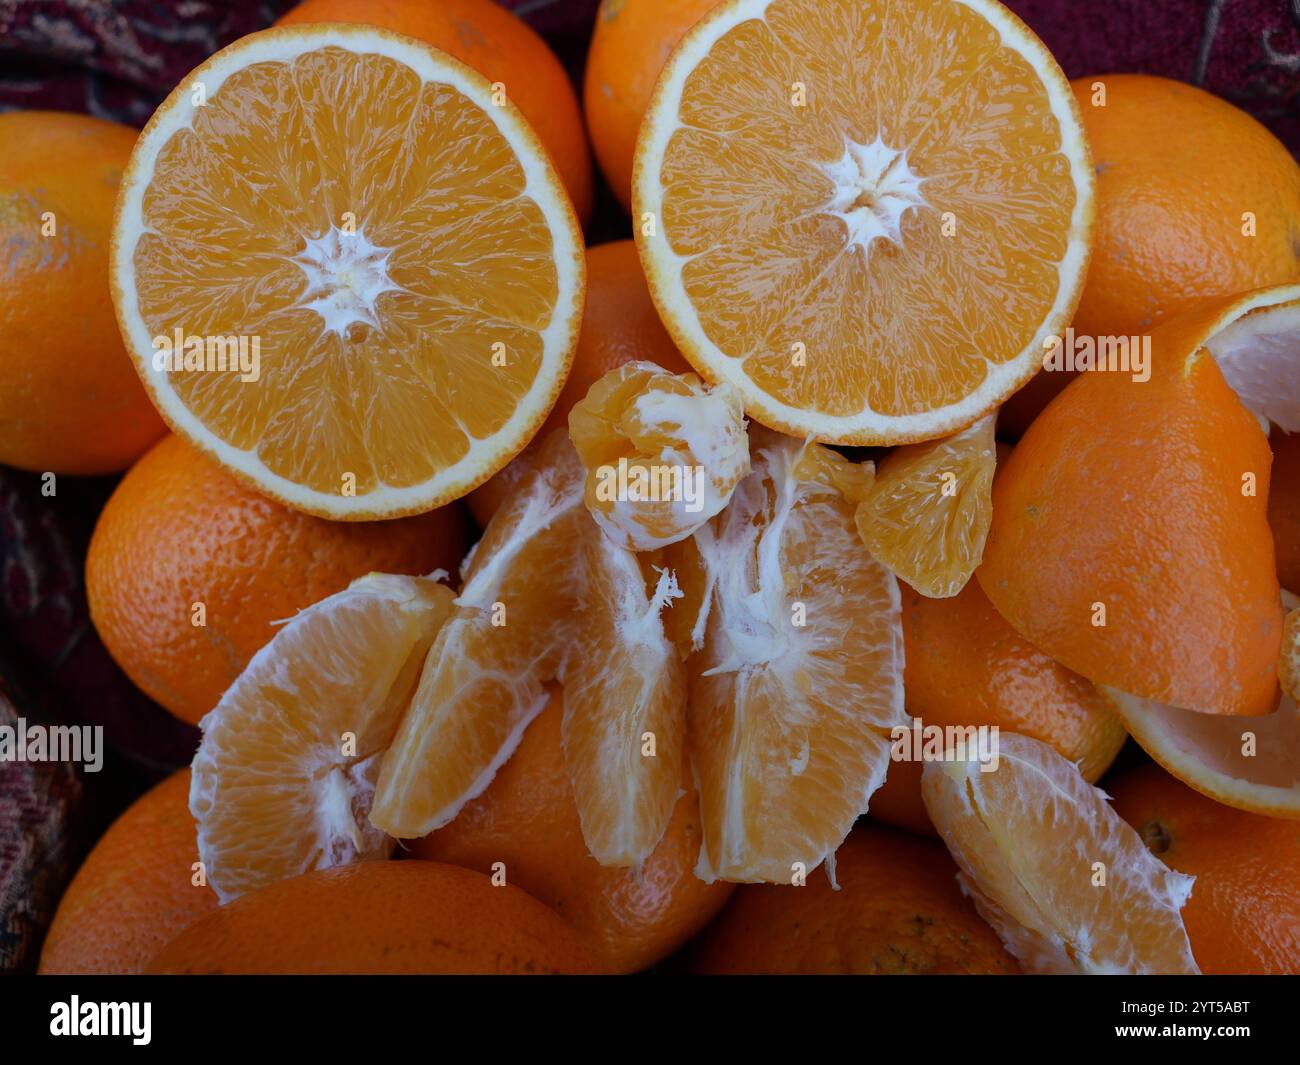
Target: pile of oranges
pixel 747 595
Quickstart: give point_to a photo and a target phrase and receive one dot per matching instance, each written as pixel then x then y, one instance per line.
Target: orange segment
pixel 1288 664
pixel 408 266
pixel 483 680
pixel 663 453
pixel 929 511
pixel 1067 885
pixel 284 776
pixel 801 671
pixel 869 236
pixel 1130 539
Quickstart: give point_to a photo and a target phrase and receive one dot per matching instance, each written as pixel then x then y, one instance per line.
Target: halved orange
pixel 397 246
pixel 283 779
pixel 868 233
pixel 800 679
pixel 928 513
pixel 1066 884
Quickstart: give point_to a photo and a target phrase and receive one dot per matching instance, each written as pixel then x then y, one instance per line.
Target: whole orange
pixel 70 400
pixel 135 891
pixel 967 666
pixel 631 43
pixel 501 47
pixel 380 917
pixel 619 325
pixel 179 531
pixel 899 910
pixel 527 820
pixel 1244 913
pixel 1284 506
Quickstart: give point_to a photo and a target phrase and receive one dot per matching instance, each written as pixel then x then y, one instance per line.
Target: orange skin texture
pixel 619 325
pixel 527 819
pixel 501 47
pixel 966 666
pixel 1244 913
pixel 179 530
pixel 134 893
pixel 899 910
pixel 1169 213
pixel 631 43
pixel 1284 506
pixel 380 917
pixel 1130 494
pixel 70 400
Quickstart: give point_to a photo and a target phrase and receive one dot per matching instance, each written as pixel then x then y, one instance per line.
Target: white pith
pixel 484 456
pixel 346 275
pixel 874 188
pixel 664 267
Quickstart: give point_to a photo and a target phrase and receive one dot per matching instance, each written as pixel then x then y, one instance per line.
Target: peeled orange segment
pixel 1068 886
pixel 399 252
pixel 624 705
pixel 1163 585
pixel 929 511
pixel 283 779
pixel 663 453
pixel 801 674
pixel 868 235
pixel 1288 664
pixel 482 682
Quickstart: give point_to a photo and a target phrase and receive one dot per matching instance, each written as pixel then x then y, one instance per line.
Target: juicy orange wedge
pixel 866 217
pixel 663 453
pixel 928 513
pixel 801 675
pixel 387 256
pixel 1068 886
pixel 283 779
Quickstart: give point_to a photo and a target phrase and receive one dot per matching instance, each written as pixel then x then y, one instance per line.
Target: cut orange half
pixel 870 234
pixel 283 779
pixel 345 272
pixel 800 678
pixel 1068 886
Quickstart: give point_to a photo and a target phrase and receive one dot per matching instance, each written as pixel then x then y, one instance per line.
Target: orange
pixel 1171 225
pixel 1067 885
pixel 1284 507
pixel 411 289
pixel 1244 913
pixel 1129 538
pixel 800 678
pixel 898 910
pixel 381 917
pixel 527 820
pixel 869 236
pixel 69 399
pixel 631 42
pixel 285 774
pixel 135 891
pixel 1288 666
pixel 966 666
pixel 178 530
pixel 1179 218
pixel 662 452
pixel 929 510
pixel 504 49
pixel 619 325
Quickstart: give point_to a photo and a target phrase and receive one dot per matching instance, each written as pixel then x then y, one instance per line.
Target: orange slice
pixel 1064 881
pixel 284 776
pixel 801 673
pixel 869 235
pixel 1249 763
pixel 399 252
pixel 482 683
pixel 929 511
pixel 1288 664
pixel 663 453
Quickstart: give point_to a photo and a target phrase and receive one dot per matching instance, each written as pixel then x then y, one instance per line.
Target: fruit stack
pixel 764 591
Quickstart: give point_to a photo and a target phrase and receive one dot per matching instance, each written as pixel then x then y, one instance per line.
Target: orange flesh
pixel 272 162
pixel 746 194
